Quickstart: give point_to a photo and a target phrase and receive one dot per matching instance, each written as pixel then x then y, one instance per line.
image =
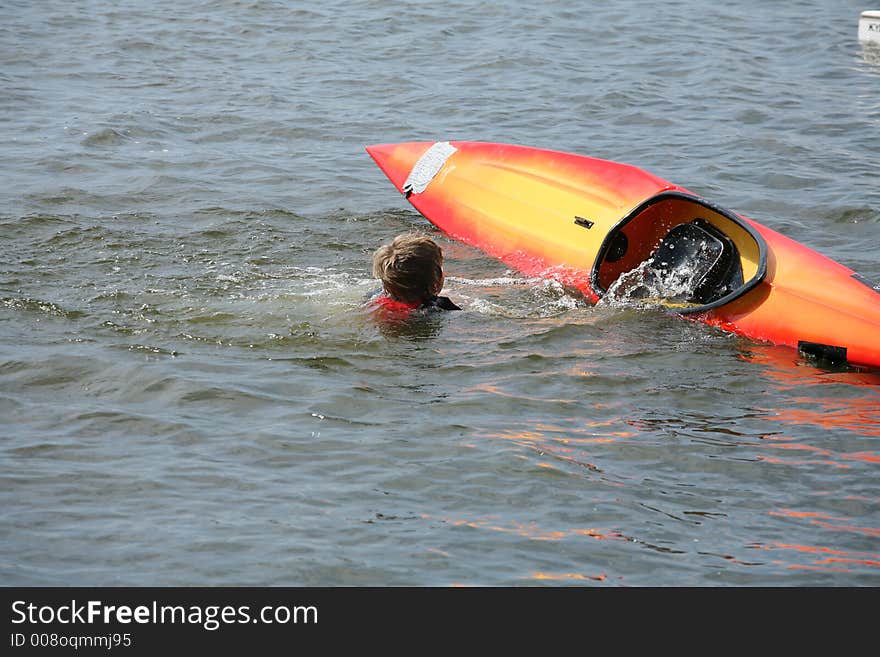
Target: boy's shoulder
pixel 384 302
pixel 441 303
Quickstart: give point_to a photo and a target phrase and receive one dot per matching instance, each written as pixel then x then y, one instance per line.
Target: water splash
pixel 513 297
pixel 654 283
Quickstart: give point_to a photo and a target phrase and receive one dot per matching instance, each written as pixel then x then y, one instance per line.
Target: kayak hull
pixel 560 215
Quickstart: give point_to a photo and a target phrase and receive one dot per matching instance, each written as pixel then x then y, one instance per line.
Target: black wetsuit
pixel 440 303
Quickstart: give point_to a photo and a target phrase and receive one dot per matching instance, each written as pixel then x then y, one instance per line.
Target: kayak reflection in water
pixel 411 271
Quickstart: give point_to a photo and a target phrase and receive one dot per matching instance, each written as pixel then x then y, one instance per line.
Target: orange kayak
pixel 614 230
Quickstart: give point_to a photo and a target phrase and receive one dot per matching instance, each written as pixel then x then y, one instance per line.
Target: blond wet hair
pixel 410 268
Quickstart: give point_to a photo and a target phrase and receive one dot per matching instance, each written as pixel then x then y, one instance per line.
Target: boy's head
pixel 410 268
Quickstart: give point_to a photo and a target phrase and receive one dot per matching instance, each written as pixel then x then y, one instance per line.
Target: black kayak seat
pixel 709 257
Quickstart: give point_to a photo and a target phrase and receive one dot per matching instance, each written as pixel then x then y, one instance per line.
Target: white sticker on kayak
pixel 428 165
